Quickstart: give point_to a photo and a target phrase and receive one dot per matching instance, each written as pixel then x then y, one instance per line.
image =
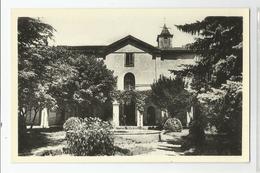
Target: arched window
pixel 129 81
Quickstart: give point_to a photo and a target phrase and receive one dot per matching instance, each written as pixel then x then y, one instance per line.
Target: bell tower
pixel 164 39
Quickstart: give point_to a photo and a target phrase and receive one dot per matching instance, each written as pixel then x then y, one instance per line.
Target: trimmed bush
pixel 72 123
pixel 173 125
pixel 92 137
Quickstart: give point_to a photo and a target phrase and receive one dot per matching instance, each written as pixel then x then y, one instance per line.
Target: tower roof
pixel 165 31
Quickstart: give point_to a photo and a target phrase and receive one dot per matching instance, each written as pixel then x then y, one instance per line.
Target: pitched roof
pixel 107 49
pixel 134 42
pixel 165 31
pixel 87 49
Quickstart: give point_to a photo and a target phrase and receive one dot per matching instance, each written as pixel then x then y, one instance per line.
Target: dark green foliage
pixel 219 45
pixel 21 133
pixel 57 78
pixel 140 98
pixel 228 116
pixel 196 138
pixel 217 77
pixel 169 94
pixel 173 125
pixel 33 60
pixel 92 137
pixel 196 131
pixel 33 36
pixel 88 90
pixel 33 32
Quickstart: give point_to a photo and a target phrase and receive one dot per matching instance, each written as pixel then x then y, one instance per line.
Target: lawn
pixel 43 142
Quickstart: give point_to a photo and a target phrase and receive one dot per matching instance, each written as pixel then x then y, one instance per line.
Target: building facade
pixel 137 65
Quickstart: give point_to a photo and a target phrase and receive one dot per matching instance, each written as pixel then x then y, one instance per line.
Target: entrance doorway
pixel 151 116
pixel 130 114
pixel 127 114
pixel 128 111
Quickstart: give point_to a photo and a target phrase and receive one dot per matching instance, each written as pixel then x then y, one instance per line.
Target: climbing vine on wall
pixel 140 98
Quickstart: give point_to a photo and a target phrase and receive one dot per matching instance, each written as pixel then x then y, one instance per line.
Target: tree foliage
pixel 217 76
pixel 33 32
pixel 219 46
pixel 88 89
pixel 55 77
pixel 140 98
pixel 170 94
pixel 33 59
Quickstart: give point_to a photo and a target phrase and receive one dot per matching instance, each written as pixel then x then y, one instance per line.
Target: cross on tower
pixel 164 24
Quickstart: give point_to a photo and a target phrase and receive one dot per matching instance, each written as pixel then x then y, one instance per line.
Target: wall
pixel 143 70
pixel 146 70
pixel 54 118
pixel 30 117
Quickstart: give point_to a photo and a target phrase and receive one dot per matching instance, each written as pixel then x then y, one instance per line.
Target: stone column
pixel 139 119
pixel 188 119
pixel 44 118
pixel 164 114
pixel 116 113
pixel 189 116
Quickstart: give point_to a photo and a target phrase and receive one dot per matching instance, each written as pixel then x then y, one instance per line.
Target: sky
pixel 104 26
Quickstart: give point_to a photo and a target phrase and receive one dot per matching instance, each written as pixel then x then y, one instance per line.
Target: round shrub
pixel 173 125
pixel 92 137
pixel 71 124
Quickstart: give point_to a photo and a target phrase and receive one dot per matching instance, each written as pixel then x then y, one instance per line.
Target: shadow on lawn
pixel 122 151
pixel 214 145
pixel 172 145
pixel 37 138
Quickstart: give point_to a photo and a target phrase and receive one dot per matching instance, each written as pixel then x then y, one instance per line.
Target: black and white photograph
pixel 135 85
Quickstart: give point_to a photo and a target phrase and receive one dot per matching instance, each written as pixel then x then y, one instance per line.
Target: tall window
pixel 129 60
pixel 129 81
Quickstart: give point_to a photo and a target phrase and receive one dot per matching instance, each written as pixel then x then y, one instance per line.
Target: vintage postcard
pixel 130 85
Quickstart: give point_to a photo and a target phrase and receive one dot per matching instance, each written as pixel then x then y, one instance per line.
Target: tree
pixel 33 36
pixel 217 74
pixel 223 110
pixel 126 97
pixel 169 94
pixel 54 77
pixel 88 89
pixel 33 33
pixel 219 47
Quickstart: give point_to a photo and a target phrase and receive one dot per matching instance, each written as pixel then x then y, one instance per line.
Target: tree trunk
pixel 22 120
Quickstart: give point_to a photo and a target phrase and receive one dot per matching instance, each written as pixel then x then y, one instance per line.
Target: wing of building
pixel 137 65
